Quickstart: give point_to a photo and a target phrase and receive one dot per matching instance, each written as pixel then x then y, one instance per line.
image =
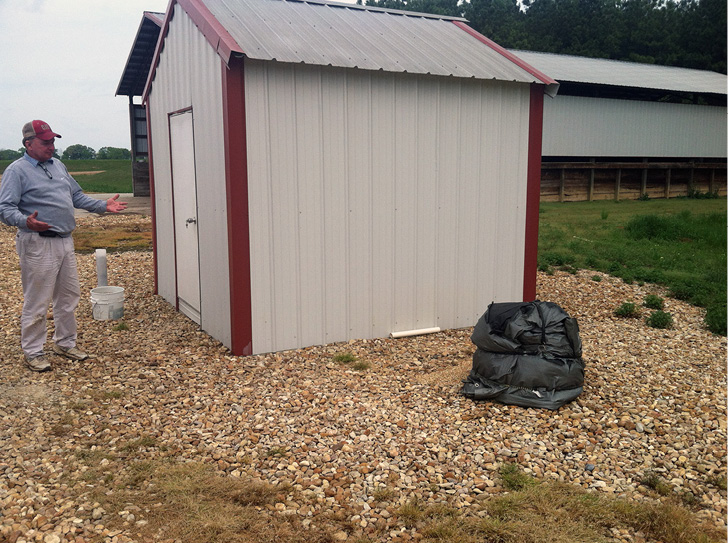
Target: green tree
pixel 702 36
pixel 688 33
pixel 9 154
pixel 113 153
pixel 500 20
pixel 78 152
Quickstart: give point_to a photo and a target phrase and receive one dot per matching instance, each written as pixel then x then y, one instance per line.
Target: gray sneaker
pixel 70 352
pixel 38 363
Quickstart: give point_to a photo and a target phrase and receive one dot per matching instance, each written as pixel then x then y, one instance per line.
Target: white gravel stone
pixel 654 400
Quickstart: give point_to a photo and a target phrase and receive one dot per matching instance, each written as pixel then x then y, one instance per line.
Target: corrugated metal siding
pixel 601 71
pixel 189 74
pixel 577 126
pixel 352 37
pixel 380 202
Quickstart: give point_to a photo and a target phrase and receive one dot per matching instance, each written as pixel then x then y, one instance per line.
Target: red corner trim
pixel 236 183
pixel 151 198
pixel 533 191
pixel 507 54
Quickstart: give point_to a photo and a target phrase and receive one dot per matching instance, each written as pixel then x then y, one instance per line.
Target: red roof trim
pixel 211 28
pixel 220 39
pixel 510 56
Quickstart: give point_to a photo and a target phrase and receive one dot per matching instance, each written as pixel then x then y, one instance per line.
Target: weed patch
pixel 144 442
pixel 114 238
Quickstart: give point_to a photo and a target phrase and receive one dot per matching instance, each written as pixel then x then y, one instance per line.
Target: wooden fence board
pixel 572 182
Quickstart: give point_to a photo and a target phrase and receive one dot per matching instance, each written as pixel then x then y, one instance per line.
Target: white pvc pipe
pixel 101 267
pixel 408 333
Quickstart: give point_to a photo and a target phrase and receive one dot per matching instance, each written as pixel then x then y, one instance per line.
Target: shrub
pixel 627 310
pixel 715 318
pixel 653 301
pixel 697 195
pixel 660 319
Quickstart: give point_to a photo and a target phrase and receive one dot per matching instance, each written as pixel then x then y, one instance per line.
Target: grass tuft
pixel 344 358
pixel 652 480
pixel 514 479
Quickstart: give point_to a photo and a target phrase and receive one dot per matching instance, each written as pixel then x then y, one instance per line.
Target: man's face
pixel 41 150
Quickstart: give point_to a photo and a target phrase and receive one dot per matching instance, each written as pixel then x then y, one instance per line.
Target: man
pixel 38 195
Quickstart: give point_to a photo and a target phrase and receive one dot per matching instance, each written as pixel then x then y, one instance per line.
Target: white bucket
pixel 107 303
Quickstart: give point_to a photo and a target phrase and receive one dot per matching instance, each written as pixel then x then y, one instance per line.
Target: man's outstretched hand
pixel 112 206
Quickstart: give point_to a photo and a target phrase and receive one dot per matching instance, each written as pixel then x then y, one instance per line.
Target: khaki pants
pixel 48 272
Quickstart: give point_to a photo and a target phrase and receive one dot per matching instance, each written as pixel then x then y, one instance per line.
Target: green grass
pixel 678 243
pixel 114 176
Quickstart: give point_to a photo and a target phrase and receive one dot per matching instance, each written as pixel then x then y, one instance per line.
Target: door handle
pixel 191 220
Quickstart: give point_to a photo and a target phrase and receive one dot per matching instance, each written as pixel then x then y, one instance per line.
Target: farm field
pixel 96 175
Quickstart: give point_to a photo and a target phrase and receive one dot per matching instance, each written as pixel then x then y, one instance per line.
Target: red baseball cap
pixel 39 129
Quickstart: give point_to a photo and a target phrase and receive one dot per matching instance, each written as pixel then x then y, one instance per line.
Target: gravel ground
pixel 654 400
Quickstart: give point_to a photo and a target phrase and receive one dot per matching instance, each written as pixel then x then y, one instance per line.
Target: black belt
pixel 49 234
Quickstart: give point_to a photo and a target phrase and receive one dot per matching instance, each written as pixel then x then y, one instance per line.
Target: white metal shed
pixel 323 172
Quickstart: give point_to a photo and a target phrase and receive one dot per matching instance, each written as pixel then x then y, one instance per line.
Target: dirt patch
pixel 37 393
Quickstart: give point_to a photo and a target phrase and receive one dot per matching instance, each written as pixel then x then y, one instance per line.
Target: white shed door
pixel 184 183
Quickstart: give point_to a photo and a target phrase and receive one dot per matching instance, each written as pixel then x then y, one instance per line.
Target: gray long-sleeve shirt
pixel 26 188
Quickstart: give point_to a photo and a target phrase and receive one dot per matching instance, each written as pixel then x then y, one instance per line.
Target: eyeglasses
pixel 49 174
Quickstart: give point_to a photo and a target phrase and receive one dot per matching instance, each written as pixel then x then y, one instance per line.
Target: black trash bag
pixel 528 354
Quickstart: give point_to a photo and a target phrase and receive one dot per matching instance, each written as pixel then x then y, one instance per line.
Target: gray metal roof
pixel 140 58
pixel 351 36
pixel 565 68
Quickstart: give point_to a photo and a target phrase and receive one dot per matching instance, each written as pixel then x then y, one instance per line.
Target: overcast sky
pixel 61 61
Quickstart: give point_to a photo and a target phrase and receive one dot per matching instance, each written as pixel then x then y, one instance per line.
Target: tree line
pixel 76 152
pixel 685 33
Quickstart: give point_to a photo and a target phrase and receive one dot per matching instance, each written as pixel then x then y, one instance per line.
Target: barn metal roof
pixel 141 55
pixel 565 68
pixel 352 36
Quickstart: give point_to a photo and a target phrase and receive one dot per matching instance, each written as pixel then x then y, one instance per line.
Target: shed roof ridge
pixel 364 7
